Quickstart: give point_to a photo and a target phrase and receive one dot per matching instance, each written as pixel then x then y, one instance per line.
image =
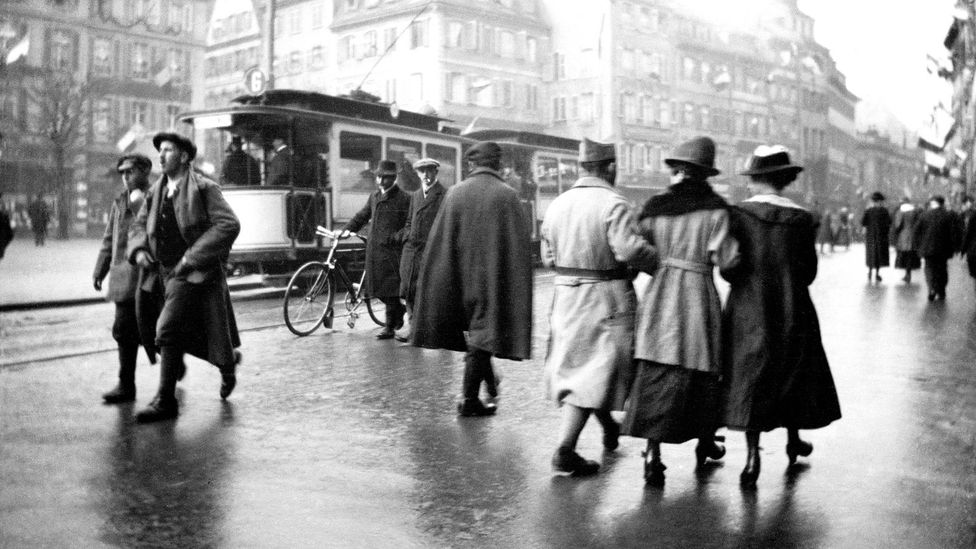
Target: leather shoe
pixel 159 410
pixel 228 376
pixel 386 333
pixel 708 450
pixel 473 407
pixel 119 395
pixel 798 448
pixel 611 437
pixel 401 339
pixel 568 463
pixel 653 471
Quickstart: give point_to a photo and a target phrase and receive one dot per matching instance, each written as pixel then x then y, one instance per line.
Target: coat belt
pixel 686 265
pixel 620 273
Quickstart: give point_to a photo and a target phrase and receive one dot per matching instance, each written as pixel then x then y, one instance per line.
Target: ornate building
pixel 100 75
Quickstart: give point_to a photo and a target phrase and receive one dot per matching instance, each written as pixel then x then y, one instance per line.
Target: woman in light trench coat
pixel 674 397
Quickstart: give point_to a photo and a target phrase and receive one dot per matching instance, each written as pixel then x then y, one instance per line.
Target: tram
pixel 327 148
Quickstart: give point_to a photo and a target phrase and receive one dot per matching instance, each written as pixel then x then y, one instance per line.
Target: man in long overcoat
pixel 877 223
pixel 476 276
pixel 425 202
pixel 590 238
pixel 123 277
pixel 182 237
pixel 387 210
pixel 935 233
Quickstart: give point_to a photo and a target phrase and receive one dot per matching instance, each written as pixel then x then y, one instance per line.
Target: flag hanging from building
pixel 933 136
pixel 136 131
pixel 19 50
pixel 935 163
pixel 722 80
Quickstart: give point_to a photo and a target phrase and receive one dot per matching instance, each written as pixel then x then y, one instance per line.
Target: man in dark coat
pixel 876 222
pixel 124 277
pixel 239 168
pixel 387 208
pixel 279 169
pixel 6 231
pixel 476 276
pixel 182 237
pixel 935 234
pixel 967 245
pixel 425 202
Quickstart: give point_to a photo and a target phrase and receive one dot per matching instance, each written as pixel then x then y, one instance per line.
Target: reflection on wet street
pixel 337 440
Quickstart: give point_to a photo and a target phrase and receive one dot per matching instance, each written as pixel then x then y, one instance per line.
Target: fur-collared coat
pixel 209 227
pixel 476 273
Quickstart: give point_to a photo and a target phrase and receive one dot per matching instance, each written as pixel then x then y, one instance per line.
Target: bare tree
pixel 60 101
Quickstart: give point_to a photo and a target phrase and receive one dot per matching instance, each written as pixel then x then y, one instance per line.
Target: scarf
pixel 682 198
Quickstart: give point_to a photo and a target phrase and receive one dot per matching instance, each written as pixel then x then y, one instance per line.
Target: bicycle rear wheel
pixel 308 298
pixel 376 310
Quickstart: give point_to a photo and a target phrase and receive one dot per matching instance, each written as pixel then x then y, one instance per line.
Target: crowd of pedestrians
pixel 670 360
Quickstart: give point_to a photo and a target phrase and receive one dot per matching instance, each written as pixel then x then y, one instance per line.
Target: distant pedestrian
pixel 123 277
pixel 964 218
pixel 775 371
pixel 968 242
pixel 674 397
pixel 935 233
pixel 877 224
pixel 386 210
pixel 841 228
pixel 903 237
pixel 182 237
pixel 425 202
pixel 40 216
pixel 825 236
pixel 6 230
pixel 476 276
pixel 590 238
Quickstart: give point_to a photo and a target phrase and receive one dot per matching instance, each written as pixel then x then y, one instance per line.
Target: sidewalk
pixel 59 272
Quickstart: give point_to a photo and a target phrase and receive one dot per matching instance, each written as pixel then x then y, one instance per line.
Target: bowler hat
pixel 387 167
pixel 183 143
pixel 592 151
pixel 426 162
pixel 768 159
pixel 698 152
pixel 483 151
pixel 877 196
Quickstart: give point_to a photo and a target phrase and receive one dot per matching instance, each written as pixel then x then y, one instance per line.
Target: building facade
pixel 114 71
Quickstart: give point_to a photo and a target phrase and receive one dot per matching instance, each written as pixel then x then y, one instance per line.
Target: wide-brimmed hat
pixel 387 167
pixel 593 151
pixel 483 151
pixel 183 143
pixel 768 159
pixel 698 152
pixel 426 162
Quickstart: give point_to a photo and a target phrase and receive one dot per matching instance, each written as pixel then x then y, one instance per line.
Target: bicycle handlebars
pixel 335 235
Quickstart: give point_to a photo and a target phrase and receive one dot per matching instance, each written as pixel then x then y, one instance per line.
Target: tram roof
pixel 291 102
pixel 526 138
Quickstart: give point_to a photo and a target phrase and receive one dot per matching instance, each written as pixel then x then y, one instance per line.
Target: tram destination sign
pixel 213 121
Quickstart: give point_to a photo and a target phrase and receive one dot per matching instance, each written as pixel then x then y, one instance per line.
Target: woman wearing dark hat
pixel 775 371
pixel 876 222
pixel 674 397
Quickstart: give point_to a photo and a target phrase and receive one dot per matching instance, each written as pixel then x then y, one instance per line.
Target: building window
pixel 61 50
pixel 455 34
pixel 456 89
pixel 140 61
pixel 317 15
pixel 295 62
pixel 506 44
pixel 531 49
pixel 506 91
pixel 140 113
pixel 101 125
pixel 346 49
pixel 629 108
pixel 295 20
pixel 532 97
pixel 558 66
pixel 171 112
pixel 418 34
pixel 102 57
pixel 558 109
pixel 586 107
pixel 627 61
pixel 688 69
pixel 391 90
pixel 573 113
pixel 369 44
pixel 316 58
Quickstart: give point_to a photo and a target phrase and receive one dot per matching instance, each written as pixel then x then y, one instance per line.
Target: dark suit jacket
pixel 935 233
pixel 279 170
pixel 414 235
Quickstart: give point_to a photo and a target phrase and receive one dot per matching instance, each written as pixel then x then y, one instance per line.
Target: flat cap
pixel 592 151
pixel 483 151
pixel 425 162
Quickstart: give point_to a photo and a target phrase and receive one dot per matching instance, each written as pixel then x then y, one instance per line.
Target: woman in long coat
pixel 903 235
pixel 775 371
pixel 876 222
pixel 674 395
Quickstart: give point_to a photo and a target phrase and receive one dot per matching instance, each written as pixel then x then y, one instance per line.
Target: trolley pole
pixel 267 58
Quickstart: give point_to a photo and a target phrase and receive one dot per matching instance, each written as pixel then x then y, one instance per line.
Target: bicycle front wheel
pixel 308 298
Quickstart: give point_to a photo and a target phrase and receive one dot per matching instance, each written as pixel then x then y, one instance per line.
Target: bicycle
pixel 310 295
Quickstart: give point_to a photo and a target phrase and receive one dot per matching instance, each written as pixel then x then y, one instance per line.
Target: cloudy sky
pixel 881 47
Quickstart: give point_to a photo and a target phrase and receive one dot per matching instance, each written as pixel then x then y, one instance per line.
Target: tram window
pixel 404 153
pixel 568 173
pixel 547 175
pixel 359 155
pixel 238 166
pixel 447 156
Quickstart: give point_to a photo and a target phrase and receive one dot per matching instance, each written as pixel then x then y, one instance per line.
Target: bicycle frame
pixel 351 288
